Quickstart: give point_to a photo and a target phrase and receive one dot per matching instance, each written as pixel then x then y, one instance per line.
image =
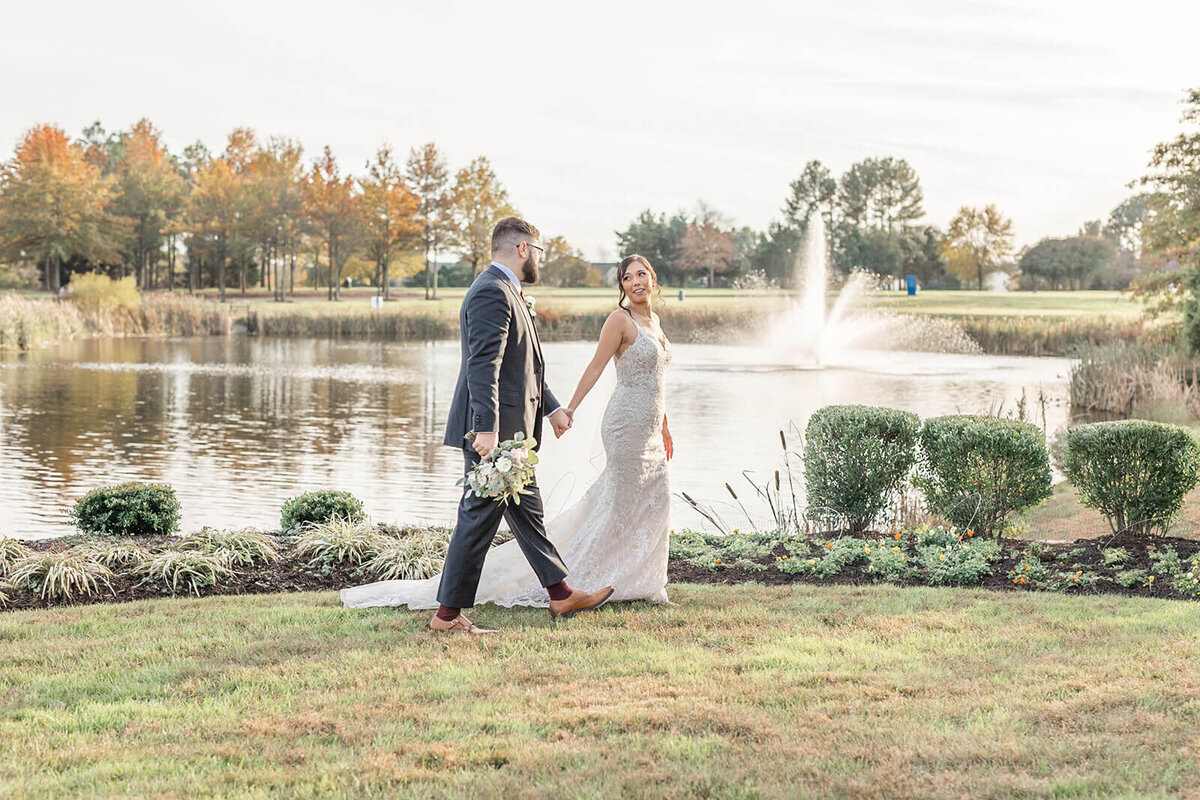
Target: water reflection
pixel 239 424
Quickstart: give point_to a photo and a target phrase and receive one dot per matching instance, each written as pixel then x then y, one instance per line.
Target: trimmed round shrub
pixel 131 509
pixel 856 457
pixel 1134 472
pixel 62 575
pixel 320 506
pixel 975 471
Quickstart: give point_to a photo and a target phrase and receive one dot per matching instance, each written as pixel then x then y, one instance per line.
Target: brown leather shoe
pixel 579 601
pixel 459 624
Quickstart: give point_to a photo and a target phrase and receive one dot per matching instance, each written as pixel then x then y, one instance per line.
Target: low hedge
pixel 318 507
pixel 856 457
pixel 975 470
pixel 1134 472
pixel 130 509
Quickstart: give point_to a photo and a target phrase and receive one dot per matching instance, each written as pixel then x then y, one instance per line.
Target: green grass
pixel 1054 304
pixel 734 692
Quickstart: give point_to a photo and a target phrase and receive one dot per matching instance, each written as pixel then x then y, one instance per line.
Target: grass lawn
pixel 736 692
pixel 1051 304
pixel 934 303
pixel 1063 518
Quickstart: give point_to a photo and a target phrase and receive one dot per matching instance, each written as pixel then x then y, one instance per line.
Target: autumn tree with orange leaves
pixel 54 206
pixel 333 205
pixel 389 210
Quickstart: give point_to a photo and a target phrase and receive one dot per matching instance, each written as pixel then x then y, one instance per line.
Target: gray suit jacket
pixel 501 381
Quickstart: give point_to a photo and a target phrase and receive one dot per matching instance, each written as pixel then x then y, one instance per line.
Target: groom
pixel 501 390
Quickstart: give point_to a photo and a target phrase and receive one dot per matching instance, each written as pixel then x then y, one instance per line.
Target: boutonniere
pixel 530 302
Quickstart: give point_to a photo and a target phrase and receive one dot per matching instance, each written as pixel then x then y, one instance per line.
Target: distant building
pixel 607 270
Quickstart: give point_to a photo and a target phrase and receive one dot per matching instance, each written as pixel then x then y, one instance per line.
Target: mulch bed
pixel 1083 554
pixel 291 574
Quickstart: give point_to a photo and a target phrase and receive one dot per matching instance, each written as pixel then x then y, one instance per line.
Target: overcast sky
pixel 589 115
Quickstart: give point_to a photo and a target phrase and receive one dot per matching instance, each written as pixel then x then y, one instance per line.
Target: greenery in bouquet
pixel 504 473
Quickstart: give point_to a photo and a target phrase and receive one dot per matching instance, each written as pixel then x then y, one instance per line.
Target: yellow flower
pixel 941 558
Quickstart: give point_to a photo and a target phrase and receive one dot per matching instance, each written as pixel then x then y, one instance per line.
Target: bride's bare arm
pixel 613 335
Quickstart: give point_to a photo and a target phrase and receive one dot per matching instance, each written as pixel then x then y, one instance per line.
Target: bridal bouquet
pixel 505 472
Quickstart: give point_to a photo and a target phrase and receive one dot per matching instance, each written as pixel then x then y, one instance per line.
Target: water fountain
pixel 815 335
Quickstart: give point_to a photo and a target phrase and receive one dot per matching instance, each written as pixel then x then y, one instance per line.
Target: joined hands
pixel 562 420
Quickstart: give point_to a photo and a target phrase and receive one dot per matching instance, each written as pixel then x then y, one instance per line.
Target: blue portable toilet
pixel 911 282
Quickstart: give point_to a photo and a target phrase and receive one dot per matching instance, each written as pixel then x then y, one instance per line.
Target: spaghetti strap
pixel 630 313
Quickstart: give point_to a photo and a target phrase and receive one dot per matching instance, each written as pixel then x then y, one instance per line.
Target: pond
pixel 239 424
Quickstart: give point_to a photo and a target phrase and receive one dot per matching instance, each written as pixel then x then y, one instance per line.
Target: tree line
pixel 256 213
pixel 873 217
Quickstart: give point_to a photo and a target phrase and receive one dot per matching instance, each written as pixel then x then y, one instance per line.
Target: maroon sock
pixel 559 591
pixel 446 613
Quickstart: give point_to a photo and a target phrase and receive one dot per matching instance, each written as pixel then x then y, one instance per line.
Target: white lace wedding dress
pixel 617 534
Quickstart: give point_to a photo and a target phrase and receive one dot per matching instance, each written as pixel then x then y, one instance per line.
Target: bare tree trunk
pixel 435 272
pixel 331 270
pixel 221 265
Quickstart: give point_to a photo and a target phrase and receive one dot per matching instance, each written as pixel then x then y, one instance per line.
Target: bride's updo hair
pixel 623 267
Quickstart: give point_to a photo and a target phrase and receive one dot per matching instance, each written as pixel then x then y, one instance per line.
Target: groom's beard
pixel 529 271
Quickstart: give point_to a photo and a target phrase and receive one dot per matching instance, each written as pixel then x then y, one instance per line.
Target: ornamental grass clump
pixel 415 555
pixel 975 471
pixel 340 542
pixel 6 590
pixel 118 555
pixel 1134 472
pixel 62 575
pixel 241 548
pixel 11 553
pixel 320 507
pixel 130 509
pixel 188 571
pixel 856 458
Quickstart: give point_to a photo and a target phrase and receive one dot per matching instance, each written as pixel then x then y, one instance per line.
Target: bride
pixel 618 533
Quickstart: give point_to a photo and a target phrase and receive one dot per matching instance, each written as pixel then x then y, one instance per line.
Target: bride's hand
pixel 668 443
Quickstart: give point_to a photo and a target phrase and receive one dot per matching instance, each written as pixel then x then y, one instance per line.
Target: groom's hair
pixel 512 231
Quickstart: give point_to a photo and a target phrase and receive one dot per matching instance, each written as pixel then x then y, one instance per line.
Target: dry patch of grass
pixel 1062 518
pixel 735 692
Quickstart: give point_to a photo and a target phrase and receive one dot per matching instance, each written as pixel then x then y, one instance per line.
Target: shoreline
pixel 30 324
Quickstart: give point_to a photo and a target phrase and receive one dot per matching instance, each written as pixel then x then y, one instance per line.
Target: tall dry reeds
pixel 403 324
pixel 28 324
pixel 1047 336
pixel 1123 378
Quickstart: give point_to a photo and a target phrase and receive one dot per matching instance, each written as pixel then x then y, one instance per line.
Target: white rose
pixel 504 464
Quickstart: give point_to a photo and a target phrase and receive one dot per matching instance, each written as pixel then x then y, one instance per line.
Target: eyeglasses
pixel 541 250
